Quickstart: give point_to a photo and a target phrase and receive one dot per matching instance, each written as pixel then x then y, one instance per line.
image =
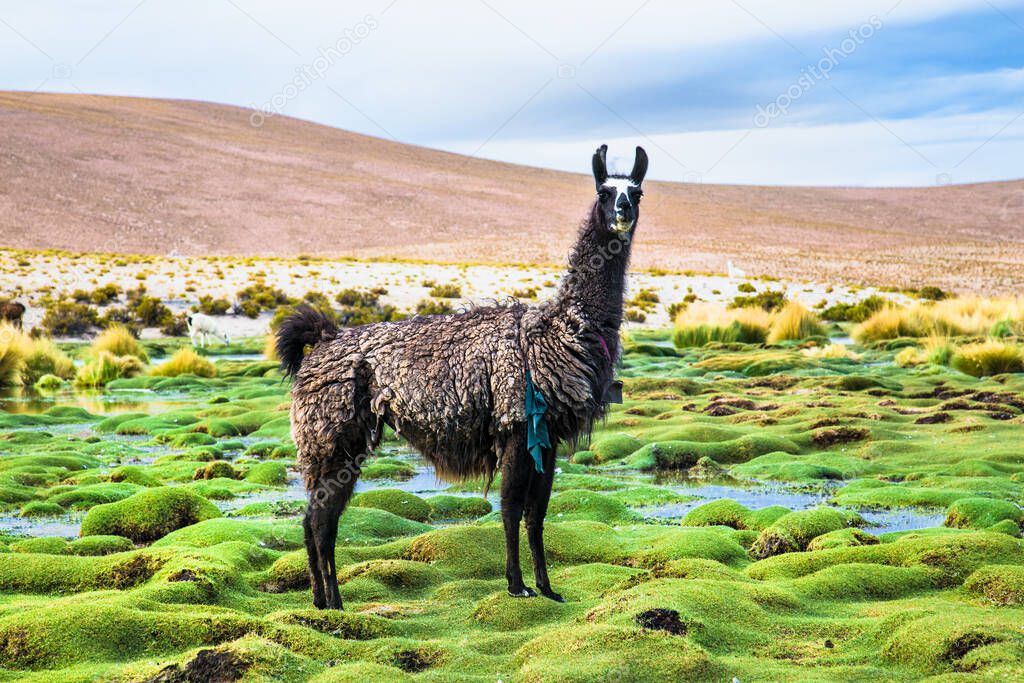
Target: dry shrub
pixel 965 316
pixel 992 357
pixel 702 323
pixel 794 322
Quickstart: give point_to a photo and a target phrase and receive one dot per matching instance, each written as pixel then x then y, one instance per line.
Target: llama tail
pixel 306 327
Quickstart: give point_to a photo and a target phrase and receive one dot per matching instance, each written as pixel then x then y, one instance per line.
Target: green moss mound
pixel 588 505
pixel 215 470
pixel 842 538
pixel 47 574
pixel 346 625
pixel 47 545
pixel 276 535
pixel 387 468
pixel 149 514
pixel 40 508
pixel 721 512
pixel 592 652
pixel 444 507
pixel 87 496
pixel 938 643
pixel 133 474
pixel 463 552
pixel 395 501
pixel 50 638
pixel 862 581
pixel 614 447
pixel 653 547
pixel 100 545
pixel 370 525
pixel 955 553
pixel 268 474
pixel 360 672
pixel 376 579
pixel 784 467
pixel 680 455
pixel 1001 584
pixel 502 611
pixel 795 531
pixel 981 513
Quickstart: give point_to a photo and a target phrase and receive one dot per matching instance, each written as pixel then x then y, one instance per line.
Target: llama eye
pixel 604 195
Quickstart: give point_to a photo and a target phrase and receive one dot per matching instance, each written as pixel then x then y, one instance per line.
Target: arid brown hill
pixel 89 173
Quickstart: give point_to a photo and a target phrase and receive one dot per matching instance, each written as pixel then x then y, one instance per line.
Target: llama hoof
pixel 552 595
pixel 523 592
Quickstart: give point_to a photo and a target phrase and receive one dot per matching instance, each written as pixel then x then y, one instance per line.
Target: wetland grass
pixel 185 555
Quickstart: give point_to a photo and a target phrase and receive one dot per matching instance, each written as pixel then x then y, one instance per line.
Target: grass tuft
pixel 988 358
pixel 890 322
pixel 976 316
pixel 44 359
pixel 794 322
pixel 185 362
pixel 105 368
pixel 701 324
pixel 15 347
pixel 118 340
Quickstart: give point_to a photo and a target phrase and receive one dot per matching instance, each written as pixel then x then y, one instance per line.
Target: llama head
pixel 618 196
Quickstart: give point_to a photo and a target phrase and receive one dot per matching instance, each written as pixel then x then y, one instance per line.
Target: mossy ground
pixel 193 564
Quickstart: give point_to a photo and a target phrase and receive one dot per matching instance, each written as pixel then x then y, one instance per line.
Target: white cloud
pixel 888 153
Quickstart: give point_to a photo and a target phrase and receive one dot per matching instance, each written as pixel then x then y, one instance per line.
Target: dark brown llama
pixel 12 312
pixel 459 387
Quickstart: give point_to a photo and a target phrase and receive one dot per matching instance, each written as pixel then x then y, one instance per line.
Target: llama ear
pixel 600 166
pixel 639 166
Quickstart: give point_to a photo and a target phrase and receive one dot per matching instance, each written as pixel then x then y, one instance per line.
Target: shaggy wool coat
pixel 453 385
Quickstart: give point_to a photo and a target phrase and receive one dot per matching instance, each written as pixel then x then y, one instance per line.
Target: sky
pixel 868 93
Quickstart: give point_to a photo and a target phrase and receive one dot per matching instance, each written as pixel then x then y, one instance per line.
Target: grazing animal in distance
pixel 202 327
pixel 13 312
pixel 734 272
pixel 492 389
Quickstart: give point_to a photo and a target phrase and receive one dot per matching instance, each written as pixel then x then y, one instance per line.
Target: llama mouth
pixel 620 226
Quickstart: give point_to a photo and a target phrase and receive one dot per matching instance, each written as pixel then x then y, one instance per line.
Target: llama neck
pixel 596 282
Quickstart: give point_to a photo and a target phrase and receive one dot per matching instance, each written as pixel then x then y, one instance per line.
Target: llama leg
pixel 536 509
pixel 326 504
pixel 515 480
pixel 316 579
